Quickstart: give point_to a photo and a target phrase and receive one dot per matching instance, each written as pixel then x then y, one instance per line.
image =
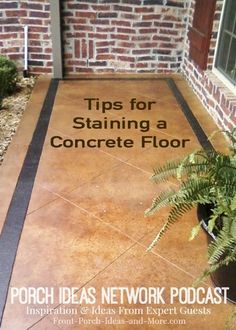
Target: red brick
pixel 120 36
pixel 35 43
pixel 98 35
pixel 161 38
pixel 129 16
pixel 105 43
pixel 141 51
pixel 86 14
pixel 48 50
pixel 122 8
pixel 12 4
pixel 125 30
pixel 38 14
pixel 132 2
pixel 142 24
pixel 126 44
pixel 105 57
pixel 169 32
pixel 66 56
pixel 76 62
pixel 144 9
pixel 147 31
pixel 162 65
pixel 79 35
pixel 167 45
pixel 83 28
pixel 10 20
pixel 120 50
pixel 147 45
pixel 8 36
pixel 102 50
pixel 108 15
pixel 142 65
pixel 11 50
pixel 101 7
pixel 100 22
pixel 164 24
pixel 67 14
pixel 152 17
pixel 16 13
pixel 98 63
pixel 91 49
pixel 73 20
pixel 105 29
pixel 40 70
pixel 41 29
pixel 140 38
pixel 121 23
pixel 40 56
pixel 35 49
pixel 15 57
pixel 84 49
pixel 77 48
pixel 28 5
pixel 126 58
pixel 77 6
pixel 146 58
pixel 30 21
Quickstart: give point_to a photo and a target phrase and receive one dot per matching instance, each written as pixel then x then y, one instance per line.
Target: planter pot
pixel 225 276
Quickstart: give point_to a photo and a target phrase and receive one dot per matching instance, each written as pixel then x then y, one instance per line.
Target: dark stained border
pixel 17 211
pixel 196 127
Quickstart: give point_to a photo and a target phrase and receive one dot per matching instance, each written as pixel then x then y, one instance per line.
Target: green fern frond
pixel 224 243
pixel 177 212
pixel 165 172
pixel 162 200
pixel 174 215
pixel 205 177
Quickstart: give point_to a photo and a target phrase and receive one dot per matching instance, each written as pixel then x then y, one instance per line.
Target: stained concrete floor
pixel 85 225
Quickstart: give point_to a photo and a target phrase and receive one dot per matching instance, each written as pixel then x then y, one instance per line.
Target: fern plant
pixel 208 178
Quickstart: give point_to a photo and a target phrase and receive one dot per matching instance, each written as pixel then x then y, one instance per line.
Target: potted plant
pixel 207 180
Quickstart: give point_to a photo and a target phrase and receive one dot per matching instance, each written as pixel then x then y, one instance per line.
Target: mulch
pixel 11 112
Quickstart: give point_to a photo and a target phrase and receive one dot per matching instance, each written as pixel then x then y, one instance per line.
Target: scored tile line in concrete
pixel 124 234
pixel 90 214
pixel 40 207
pixel 117 229
pixel 110 155
pixel 170 262
pixel 16 214
pixel 192 120
pixel 89 280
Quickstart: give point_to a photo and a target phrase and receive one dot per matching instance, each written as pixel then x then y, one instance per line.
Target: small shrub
pixel 8 77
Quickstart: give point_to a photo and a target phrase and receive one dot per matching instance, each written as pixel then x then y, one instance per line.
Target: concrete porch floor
pixel 85 225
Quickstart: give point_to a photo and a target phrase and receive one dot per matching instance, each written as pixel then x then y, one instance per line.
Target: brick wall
pixel 118 36
pixel 123 36
pixel 219 101
pixel 36 14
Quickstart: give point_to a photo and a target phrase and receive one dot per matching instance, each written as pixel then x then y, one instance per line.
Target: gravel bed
pixel 12 111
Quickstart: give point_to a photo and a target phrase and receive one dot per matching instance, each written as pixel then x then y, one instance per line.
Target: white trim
pixel 57 49
pixel 224 80
pixel 218 37
pixel 217 72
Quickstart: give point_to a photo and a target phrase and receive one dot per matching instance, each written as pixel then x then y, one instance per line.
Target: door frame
pixel 56 31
